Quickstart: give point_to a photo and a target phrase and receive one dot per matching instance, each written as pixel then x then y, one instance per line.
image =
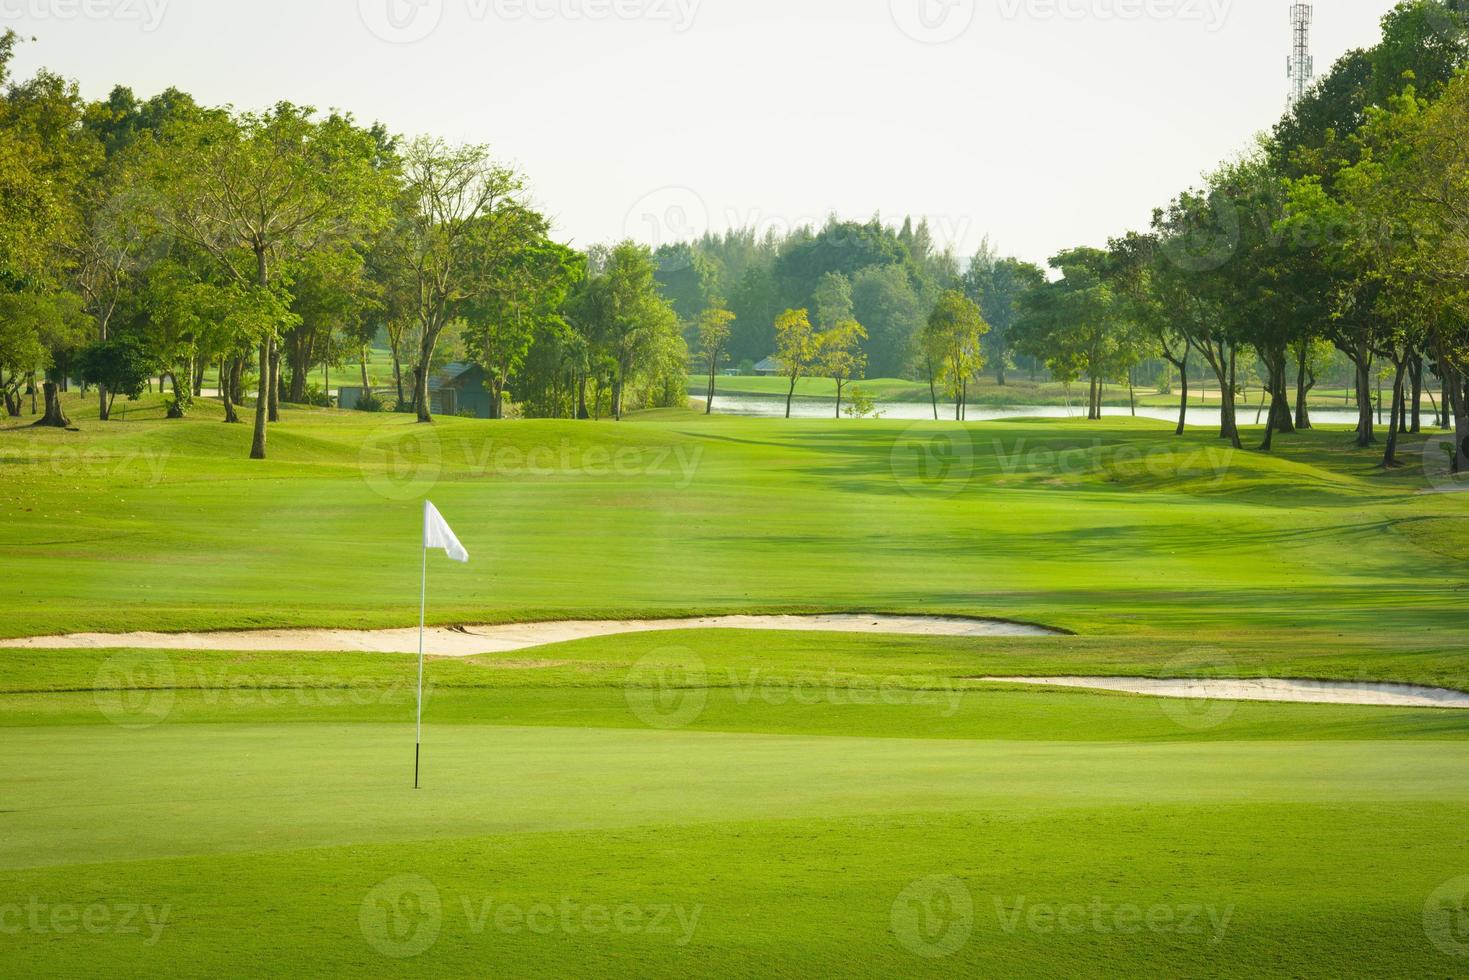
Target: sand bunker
pixel 474 640
pixel 1219 689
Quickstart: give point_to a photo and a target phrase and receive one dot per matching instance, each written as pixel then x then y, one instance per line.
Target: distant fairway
pixel 684 803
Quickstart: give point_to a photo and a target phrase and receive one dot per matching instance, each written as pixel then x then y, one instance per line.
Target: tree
pixel 463 204
pixel 955 335
pixel 839 355
pixel 998 285
pixel 258 192
pixel 637 325
pixel 884 302
pixel 123 365
pixel 833 300
pixel 1075 324
pixel 520 298
pixel 38 331
pixel 713 330
pixel 795 349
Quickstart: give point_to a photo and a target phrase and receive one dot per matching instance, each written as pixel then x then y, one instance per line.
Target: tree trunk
pixel 840 385
pixel 54 418
pixel 275 381
pixel 791 395
pixel 298 378
pixel 362 360
pixel 713 373
pixel 1456 402
pixel 933 390
pixel 581 397
pixel 229 386
pixel 1303 390
pixel 176 408
pixel 1183 402
pixel 1366 435
pixel 421 403
pixel 1415 370
pixel 1132 391
pixel 1395 427
pixel 262 403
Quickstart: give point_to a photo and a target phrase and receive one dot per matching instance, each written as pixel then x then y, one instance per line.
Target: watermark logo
pixel 1208 245
pixel 668 216
pixel 40 918
pixel 1203 709
pixel 147 14
pixel 934 917
pixel 401 917
pixel 401 460
pixel 1212 14
pixel 411 21
pixel 135 690
pixel 933 21
pixel 1106 918
pixel 668 689
pixel 1446 917
pixel 572 917
pixel 401 21
pixel 1438 463
pixel 927 459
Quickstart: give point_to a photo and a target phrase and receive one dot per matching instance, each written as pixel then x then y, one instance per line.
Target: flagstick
pixel 422 617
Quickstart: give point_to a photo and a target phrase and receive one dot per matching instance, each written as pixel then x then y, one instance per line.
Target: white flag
pixel 437 534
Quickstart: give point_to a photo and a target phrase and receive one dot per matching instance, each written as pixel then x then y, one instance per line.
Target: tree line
pixel 1343 228
pixel 162 238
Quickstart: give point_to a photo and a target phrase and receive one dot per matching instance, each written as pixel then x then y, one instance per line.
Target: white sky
pixel 1042 123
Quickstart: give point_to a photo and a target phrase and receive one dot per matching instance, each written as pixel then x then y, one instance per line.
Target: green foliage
pixel 123 365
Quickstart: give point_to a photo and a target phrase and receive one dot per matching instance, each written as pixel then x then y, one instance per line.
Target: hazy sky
pixel 1042 123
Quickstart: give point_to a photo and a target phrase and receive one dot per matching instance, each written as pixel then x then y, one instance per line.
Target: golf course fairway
pixel 720 801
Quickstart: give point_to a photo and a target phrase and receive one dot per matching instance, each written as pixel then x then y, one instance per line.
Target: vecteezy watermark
pixel 1211 13
pixel 933 21
pixel 669 689
pixel 410 21
pixel 135 690
pixel 219 687
pixel 929 459
pixel 571 917
pixel 148 14
pixel 401 460
pixel 146 467
pixel 934 917
pixel 668 216
pixel 1204 708
pixel 1446 917
pixel 40 918
pixel 679 464
pixel 403 917
pixel 1104 918
pixel 1439 451
pixel 1117 460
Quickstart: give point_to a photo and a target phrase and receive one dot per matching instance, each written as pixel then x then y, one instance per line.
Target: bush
pixel 370 403
pixel 317 397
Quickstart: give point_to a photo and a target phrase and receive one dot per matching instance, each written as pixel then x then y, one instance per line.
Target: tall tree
pixel 713 330
pixel 955 333
pixel 795 349
pixel 463 202
pixel 258 192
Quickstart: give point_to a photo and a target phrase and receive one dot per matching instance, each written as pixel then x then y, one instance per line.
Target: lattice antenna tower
pixel 1301 69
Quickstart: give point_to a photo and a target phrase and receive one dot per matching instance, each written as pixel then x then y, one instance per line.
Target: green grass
pixel 726 803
